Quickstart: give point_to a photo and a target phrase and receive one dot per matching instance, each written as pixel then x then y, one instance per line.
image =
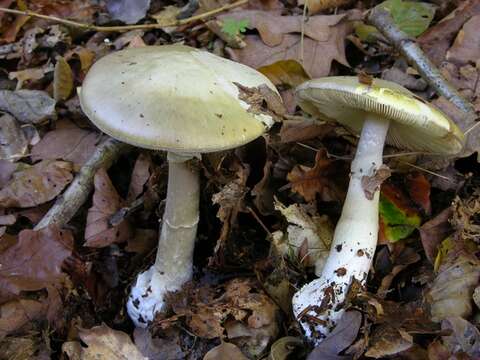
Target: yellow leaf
pixel 285 72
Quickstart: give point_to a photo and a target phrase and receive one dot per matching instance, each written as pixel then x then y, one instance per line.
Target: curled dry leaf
pixel 27 106
pixel 387 340
pixel 305 226
pixel 371 184
pixel 326 178
pixel 103 343
pixel 13 142
pixel 280 39
pixel 106 202
pixel 434 231
pixel 36 185
pixel 35 261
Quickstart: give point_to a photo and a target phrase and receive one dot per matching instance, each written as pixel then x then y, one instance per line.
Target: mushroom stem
pixel 319 304
pixel 173 264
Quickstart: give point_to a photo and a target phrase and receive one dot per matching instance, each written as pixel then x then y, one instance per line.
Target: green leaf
pixel 397 218
pixel 234 27
pixel 411 17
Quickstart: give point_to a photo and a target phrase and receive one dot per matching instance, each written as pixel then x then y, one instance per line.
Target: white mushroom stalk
pixel 173 264
pixel 318 305
pixel 383 112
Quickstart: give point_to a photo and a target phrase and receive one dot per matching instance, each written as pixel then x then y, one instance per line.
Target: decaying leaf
pixel 280 39
pixel 165 347
pixel 106 202
pixel 465 337
pixel 27 106
pixel 305 226
pixel 387 340
pixel 434 231
pixel 62 80
pixel 13 142
pixel 16 313
pixel 37 184
pixel 35 261
pixel 225 351
pixel 371 184
pixel 326 178
pixel 103 343
pixel 451 292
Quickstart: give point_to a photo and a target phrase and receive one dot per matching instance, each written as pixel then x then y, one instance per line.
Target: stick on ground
pixel 78 191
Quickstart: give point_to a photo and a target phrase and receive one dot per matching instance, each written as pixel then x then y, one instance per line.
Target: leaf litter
pixel 268 208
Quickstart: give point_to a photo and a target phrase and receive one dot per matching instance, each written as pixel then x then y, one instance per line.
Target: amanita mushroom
pixel 380 111
pixel 187 102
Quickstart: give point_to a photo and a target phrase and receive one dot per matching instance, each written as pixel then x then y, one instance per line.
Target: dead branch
pixel 77 192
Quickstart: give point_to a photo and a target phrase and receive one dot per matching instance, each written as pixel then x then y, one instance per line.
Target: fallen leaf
pixel 128 11
pixel 304 129
pixel 398 219
pixel 305 226
pixel 62 80
pixel 418 188
pixel 7 169
pixel 342 336
pixel 371 184
pixel 140 176
pixel 434 231
pixel 17 313
pixel 387 340
pixel 165 347
pixel 225 351
pixel 280 40
pixel 103 343
pixel 451 292
pixel 465 337
pixel 106 202
pixel 35 261
pixel 326 178
pixel 283 347
pixel 27 106
pixel 69 144
pixel 37 184
pixel 466 46
pixel 438 39
pixel 316 6
pixel 13 142
pixel 285 72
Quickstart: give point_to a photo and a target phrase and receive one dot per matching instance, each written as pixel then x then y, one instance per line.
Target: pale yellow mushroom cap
pixel 173 98
pixel 414 124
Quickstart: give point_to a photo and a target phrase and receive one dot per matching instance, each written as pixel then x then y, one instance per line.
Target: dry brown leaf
pixel 326 178
pixel 103 343
pixel 36 185
pixel 387 340
pixel 225 351
pixel 16 313
pixel 62 80
pixel 371 184
pixel 7 169
pixel 434 231
pixel 27 106
pixel 304 129
pixel 35 261
pixel 465 337
pixel 69 144
pixel 106 202
pixel 285 72
pixel 165 347
pixel 280 40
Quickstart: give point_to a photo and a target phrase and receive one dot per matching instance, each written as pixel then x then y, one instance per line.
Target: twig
pixel 125 27
pixel 77 192
pixel 382 20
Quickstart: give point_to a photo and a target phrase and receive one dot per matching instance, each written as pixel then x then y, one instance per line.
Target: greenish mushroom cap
pixel 174 98
pixel 414 124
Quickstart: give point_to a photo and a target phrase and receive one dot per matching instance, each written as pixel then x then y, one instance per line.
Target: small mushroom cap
pixel 174 98
pixel 414 124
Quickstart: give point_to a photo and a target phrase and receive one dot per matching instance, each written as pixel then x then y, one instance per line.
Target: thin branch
pixel 78 191
pixel 86 26
pixel 407 46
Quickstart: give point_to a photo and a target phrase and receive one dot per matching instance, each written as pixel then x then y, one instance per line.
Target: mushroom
pixel 380 111
pixel 186 102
